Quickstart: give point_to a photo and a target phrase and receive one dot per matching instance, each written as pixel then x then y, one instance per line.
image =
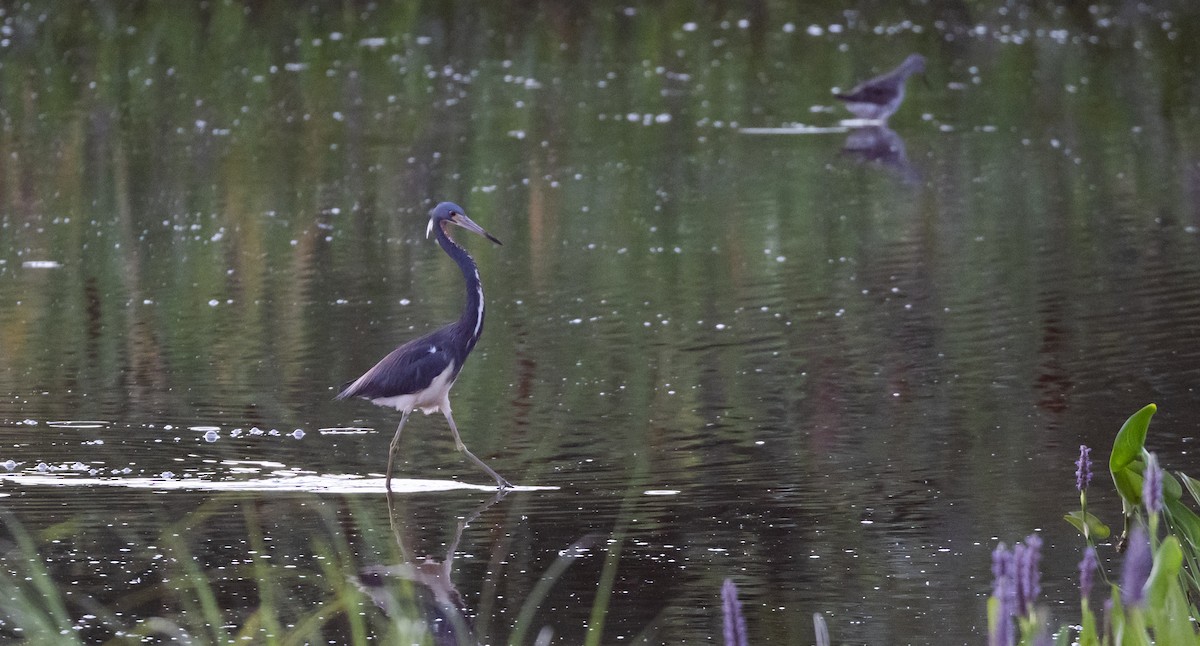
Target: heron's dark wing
pixel 869 93
pixel 405 370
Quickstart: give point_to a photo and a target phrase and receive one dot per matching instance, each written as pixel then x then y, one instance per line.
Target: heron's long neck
pixel 470 322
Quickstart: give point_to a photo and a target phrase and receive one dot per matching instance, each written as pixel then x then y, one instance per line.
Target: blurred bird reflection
pixel 447 618
pixel 882 146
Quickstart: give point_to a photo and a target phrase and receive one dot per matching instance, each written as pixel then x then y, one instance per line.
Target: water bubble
pixel 43 467
pixel 167 475
pixel 298 434
pixel 211 436
pixel 79 466
pixel 9 465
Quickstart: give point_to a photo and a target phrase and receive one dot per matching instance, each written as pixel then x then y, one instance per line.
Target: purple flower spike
pixel 1152 486
pixel 1004 589
pixel 1083 468
pixel 1029 578
pixel 734 622
pixel 1087 570
pixel 1136 569
pixel 1025 575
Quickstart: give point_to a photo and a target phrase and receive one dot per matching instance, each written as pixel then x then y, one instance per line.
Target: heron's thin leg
pixel 394 448
pixel 458 443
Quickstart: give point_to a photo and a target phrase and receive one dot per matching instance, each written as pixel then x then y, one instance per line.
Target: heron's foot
pixel 502 484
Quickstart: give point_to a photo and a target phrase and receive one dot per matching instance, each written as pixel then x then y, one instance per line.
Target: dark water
pixel 838 378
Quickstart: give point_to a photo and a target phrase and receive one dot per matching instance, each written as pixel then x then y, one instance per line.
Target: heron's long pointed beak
pixel 469 224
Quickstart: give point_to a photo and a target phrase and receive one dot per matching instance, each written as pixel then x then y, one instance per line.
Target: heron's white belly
pixel 430 400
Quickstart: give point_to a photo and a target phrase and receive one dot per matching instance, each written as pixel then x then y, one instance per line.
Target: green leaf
pixel 1183 521
pixel 1095 528
pixel 1131 439
pixel 1088 635
pixel 1191 484
pixel 1167 609
pixel 1165 573
pixel 1172 490
pixel 1125 463
pixel 1063 638
pixel 1129 484
pixel 993 613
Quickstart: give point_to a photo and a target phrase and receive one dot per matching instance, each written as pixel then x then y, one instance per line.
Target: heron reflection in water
pixel 437 601
pixel 420 373
pixel 445 613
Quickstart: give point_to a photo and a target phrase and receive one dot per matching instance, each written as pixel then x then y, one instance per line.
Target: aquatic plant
pixel 1083 469
pixel 733 622
pixel 1016 583
pixel 1150 603
pixel 1152 486
pixel 1087 570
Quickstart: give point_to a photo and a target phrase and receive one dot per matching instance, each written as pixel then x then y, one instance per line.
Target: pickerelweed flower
pixel 1004 590
pixel 1026 559
pixel 734 623
pixel 1083 468
pixel 1136 569
pixel 1087 570
pixel 1152 486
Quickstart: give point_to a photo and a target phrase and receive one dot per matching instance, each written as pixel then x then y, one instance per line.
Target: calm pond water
pixel 837 377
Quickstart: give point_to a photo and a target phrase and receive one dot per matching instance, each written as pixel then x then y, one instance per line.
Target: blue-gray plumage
pixel 420 373
pixel 879 97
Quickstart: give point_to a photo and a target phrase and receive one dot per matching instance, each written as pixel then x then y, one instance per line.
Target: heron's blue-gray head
pixel 449 212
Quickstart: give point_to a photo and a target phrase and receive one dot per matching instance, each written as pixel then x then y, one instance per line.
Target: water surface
pixel 728 335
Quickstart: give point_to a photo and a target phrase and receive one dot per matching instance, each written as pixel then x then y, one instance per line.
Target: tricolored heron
pixel 420 373
pixel 879 97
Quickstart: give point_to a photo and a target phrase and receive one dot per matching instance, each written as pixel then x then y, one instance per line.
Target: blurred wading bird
pixel 879 97
pixel 419 373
